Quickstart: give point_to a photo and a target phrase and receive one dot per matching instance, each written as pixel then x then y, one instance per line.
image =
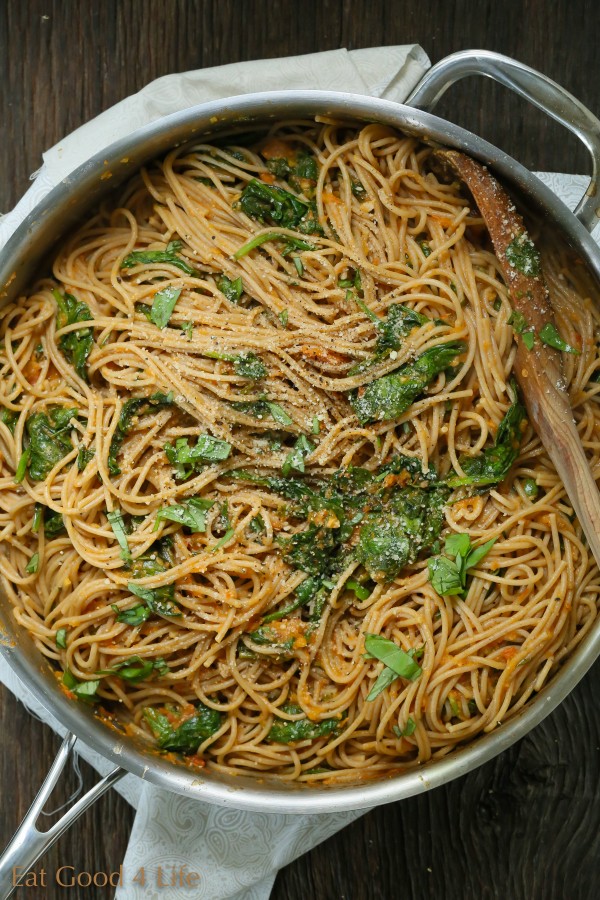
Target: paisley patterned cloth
pixel 235 855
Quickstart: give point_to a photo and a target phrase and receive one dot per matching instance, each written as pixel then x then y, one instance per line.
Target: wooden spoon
pixel 538 370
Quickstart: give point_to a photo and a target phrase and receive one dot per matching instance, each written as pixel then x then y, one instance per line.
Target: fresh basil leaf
pixel 135 669
pixel 408 729
pixel 188 329
pixel 528 338
pixel 394 657
pixel 457 545
pixel 284 731
pixel 530 488
pixel 191 513
pixel 362 592
pixel 134 616
pixel 22 465
pixel 159 600
pixel 61 638
pixel 115 520
pixel 283 317
pixel 226 537
pixel 83 690
pixel 444 576
pixel 76 346
pixel 478 553
pixel 291 243
pixel 232 290
pixel 279 414
pixel 295 459
pixel 383 680
pixel 32 566
pixel 163 305
pixel 249 365
pixel 550 336
pixel 518 321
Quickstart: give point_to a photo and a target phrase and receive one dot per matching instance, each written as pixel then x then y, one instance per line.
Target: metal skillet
pixel 78 193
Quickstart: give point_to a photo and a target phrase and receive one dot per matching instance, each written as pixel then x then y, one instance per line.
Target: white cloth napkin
pixel 236 854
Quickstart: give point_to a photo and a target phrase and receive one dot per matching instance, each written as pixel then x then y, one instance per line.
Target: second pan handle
pixel 539 90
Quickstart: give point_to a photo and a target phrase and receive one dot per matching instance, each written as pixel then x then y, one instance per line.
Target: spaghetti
pixel 268 494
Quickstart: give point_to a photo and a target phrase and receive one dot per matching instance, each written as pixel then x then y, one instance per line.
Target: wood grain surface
pixel 526 825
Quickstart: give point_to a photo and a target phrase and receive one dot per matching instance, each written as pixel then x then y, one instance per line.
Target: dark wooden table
pixel 527 824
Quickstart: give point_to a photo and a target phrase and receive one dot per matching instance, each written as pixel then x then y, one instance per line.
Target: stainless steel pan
pixel 21 259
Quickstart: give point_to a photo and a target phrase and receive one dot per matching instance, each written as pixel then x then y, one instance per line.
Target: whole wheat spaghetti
pixel 269 497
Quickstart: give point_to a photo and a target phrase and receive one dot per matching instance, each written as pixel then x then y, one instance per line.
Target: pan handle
pixel 544 93
pixel 28 843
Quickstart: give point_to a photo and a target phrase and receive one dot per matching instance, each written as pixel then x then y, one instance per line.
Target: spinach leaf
pixel 284 731
pixel 392 331
pixel 550 336
pixel 394 535
pixel 493 465
pixel 272 205
pixel 301 171
pixel 390 396
pixel 136 406
pixel 49 438
pixel 10 418
pixel 232 290
pixel 163 305
pixel 397 325
pixel 84 457
pixel 168 256
pixel 191 513
pixel 186 459
pixel 53 524
pixel 135 669
pixel 76 346
pixel 187 737
pixel 305 593
pixel 115 520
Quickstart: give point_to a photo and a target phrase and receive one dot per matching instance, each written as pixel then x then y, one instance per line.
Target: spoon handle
pixel 538 370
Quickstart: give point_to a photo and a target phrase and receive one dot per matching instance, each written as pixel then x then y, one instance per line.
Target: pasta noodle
pixel 257 423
